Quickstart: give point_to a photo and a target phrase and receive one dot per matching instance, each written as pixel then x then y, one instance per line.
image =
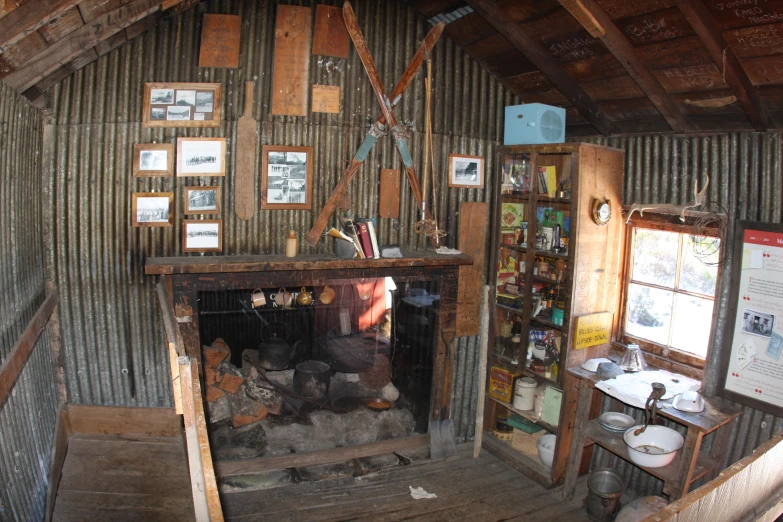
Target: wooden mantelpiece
pixel 185 277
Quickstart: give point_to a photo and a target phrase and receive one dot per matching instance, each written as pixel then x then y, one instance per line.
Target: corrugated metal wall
pixel 746 179
pixel 111 333
pixel 28 416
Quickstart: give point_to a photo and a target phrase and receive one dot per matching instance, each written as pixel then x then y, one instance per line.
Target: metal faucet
pixel 650 407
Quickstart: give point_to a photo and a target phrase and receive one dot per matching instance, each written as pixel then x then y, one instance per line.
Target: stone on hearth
pixel 232 377
pixel 214 393
pixel 390 392
pixel 215 354
pixel 260 391
pixel 248 370
pixel 218 410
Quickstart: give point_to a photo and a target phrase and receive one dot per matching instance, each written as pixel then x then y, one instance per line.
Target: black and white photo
pixel 158 113
pixel 201 156
pixel 286 177
pixel 466 171
pixel 162 96
pixel 202 236
pixel 152 209
pixel 757 323
pixel 186 98
pixel 205 101
pixel 202 200
pixel 176 113
pixel 153 160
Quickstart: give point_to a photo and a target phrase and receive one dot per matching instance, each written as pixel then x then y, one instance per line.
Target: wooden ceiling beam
pixel 722 54
pixel 86 37
pixel 30 17
pixel 544 62
pixel 595 20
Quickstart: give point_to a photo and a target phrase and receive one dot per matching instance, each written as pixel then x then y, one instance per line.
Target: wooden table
pixel 689 465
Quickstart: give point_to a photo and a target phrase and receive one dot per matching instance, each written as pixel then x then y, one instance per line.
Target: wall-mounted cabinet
pixel 555 258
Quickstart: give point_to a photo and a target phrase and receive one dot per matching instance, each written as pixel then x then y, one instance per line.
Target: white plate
pixel 618 420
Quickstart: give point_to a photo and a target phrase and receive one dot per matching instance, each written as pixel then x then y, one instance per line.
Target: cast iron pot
pixel 274 352
pixel 311 379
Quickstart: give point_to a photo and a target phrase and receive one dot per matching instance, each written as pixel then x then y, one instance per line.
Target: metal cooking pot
pixel 311 379
pixel 274 352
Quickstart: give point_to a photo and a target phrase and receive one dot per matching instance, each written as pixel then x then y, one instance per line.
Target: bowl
pixel 689 401
pixel 591 365
pixel 655 447
pixel 546 449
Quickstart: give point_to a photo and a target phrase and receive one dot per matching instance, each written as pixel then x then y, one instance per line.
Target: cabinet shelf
pixel 506 363
pixel 519 196
pixel 549 253
pixel 528 465
pixel 543 198
pixel 529 415
pixel 545 322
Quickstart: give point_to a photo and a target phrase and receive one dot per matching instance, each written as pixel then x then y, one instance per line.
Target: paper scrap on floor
pixel 634 388
pixel 419 493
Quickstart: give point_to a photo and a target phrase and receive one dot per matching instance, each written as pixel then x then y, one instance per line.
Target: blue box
pixel 534 123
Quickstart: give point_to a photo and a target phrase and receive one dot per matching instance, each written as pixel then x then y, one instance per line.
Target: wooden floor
pixel 109 477
pixel 483 489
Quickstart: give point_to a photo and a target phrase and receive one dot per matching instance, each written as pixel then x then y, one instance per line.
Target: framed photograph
pixel 201 157
pixel 153 159
pixel 466 171
pixel 202 236
pixel 286 177
pixel 181 105
pixel 152 209
pixel 202 200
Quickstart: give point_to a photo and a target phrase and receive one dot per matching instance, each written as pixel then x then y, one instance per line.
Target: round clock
pixel 602 212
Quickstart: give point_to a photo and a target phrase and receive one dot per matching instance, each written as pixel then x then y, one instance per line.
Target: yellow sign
pixel 592 330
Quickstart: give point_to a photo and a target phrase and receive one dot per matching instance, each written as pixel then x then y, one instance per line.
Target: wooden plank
pixel 482 384
pixel 579 393
pixel 657 26
pixel 80 40
pixel 291 61
pixel 589 12
pixel 56 461
pixel 724 57
pixel 16 55
pixel 330 38
pixel 220 35
pixel 28 17
pixel 749 42
pixel 121 420
pixel 61 26
pixel 246 148
pixel 472 241
pixel 729 15
pixel 543 60
pixel 689 79
pixel 92 9
pixel 252 466
pixel 171 327
pixel 389 194
pixel 81 506
pixel 15 361
pixel 765 70
pixel 87 57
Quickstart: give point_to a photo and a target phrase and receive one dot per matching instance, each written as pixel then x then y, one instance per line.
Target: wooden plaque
pixel 472 241
pixel 330 37
pixel 326 98
pixel 291 62
pixel 220 41
pixel 389 194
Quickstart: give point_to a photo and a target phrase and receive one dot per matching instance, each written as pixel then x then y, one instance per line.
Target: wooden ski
pixel 361 154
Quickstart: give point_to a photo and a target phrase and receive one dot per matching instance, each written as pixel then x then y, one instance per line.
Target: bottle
pixel 291 244
pixel 516 348
pixel 506 327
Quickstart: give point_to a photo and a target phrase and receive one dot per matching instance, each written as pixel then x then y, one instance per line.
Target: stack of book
pixel 362 233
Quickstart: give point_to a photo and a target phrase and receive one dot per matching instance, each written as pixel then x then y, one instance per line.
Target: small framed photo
pixel 286 177
pixel 181 105
pixel 153 159
pixel 201 157
pixel 202 200
pixel 466 171
pixel 152 209
pixel 202 235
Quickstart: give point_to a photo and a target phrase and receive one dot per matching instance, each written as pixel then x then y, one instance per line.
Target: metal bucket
pixel 603 498
pixel 311 379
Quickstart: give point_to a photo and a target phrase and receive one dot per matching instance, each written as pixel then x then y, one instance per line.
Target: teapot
pixel 274 352
pixel 304 298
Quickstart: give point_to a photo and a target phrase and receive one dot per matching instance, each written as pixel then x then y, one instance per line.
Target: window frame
pixel 665 356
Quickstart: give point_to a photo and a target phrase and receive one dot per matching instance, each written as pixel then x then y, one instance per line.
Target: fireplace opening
pixel 295 370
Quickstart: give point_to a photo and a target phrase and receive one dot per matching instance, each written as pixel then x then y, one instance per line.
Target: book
pixel 373 237
pixel 364 240
pixel 542 189
pixel 511 215
pixel 551 181
pixel 349 228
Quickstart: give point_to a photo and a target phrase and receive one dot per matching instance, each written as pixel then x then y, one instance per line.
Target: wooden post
pixel 578 439
pixel 482 384
pixel 165 304
pixel 197 483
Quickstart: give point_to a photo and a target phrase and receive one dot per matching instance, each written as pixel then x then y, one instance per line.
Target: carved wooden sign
pixel 326 98
pixel 220 41
pixel 330 37
pixel 291 61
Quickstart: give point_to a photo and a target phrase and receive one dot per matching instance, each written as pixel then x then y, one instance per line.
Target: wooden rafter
pixel 595 20
pixel 722 54
pixel 75 44
pixel 29 17
pixel 540 57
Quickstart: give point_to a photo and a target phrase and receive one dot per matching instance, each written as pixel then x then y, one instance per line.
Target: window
pixel 672 274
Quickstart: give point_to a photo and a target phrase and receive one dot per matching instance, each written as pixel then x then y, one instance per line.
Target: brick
pixel 243 420
pixel 214 393
pixel 212 376
pixel 231 383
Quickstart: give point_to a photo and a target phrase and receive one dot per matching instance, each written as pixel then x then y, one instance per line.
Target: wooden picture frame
pixel 753 340
pixel 201 157
pixel 181 105
pixel 466 171
pixel 153 160
pixel 202 235
pixel 152 209
pixel 202 200
pixel 286 177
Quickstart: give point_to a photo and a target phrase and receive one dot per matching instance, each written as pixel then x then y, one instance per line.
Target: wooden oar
pixel 407 77
pixel 244 187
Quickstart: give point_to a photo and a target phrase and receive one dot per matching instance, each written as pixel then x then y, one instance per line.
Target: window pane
pixel 699 264
pixel 692 324
pixel 649 313
pixel 655 257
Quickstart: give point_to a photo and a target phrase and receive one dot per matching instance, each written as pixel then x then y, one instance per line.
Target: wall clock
pixel 602 211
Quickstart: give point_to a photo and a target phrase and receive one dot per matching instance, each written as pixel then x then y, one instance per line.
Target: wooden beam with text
pixel 595 20
pixel 29 17
pixel 543 60
pixel 722 54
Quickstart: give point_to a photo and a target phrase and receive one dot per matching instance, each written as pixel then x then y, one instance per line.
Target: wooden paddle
pixel 244 181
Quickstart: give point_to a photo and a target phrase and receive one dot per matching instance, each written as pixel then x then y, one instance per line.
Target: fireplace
pixel 312 354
